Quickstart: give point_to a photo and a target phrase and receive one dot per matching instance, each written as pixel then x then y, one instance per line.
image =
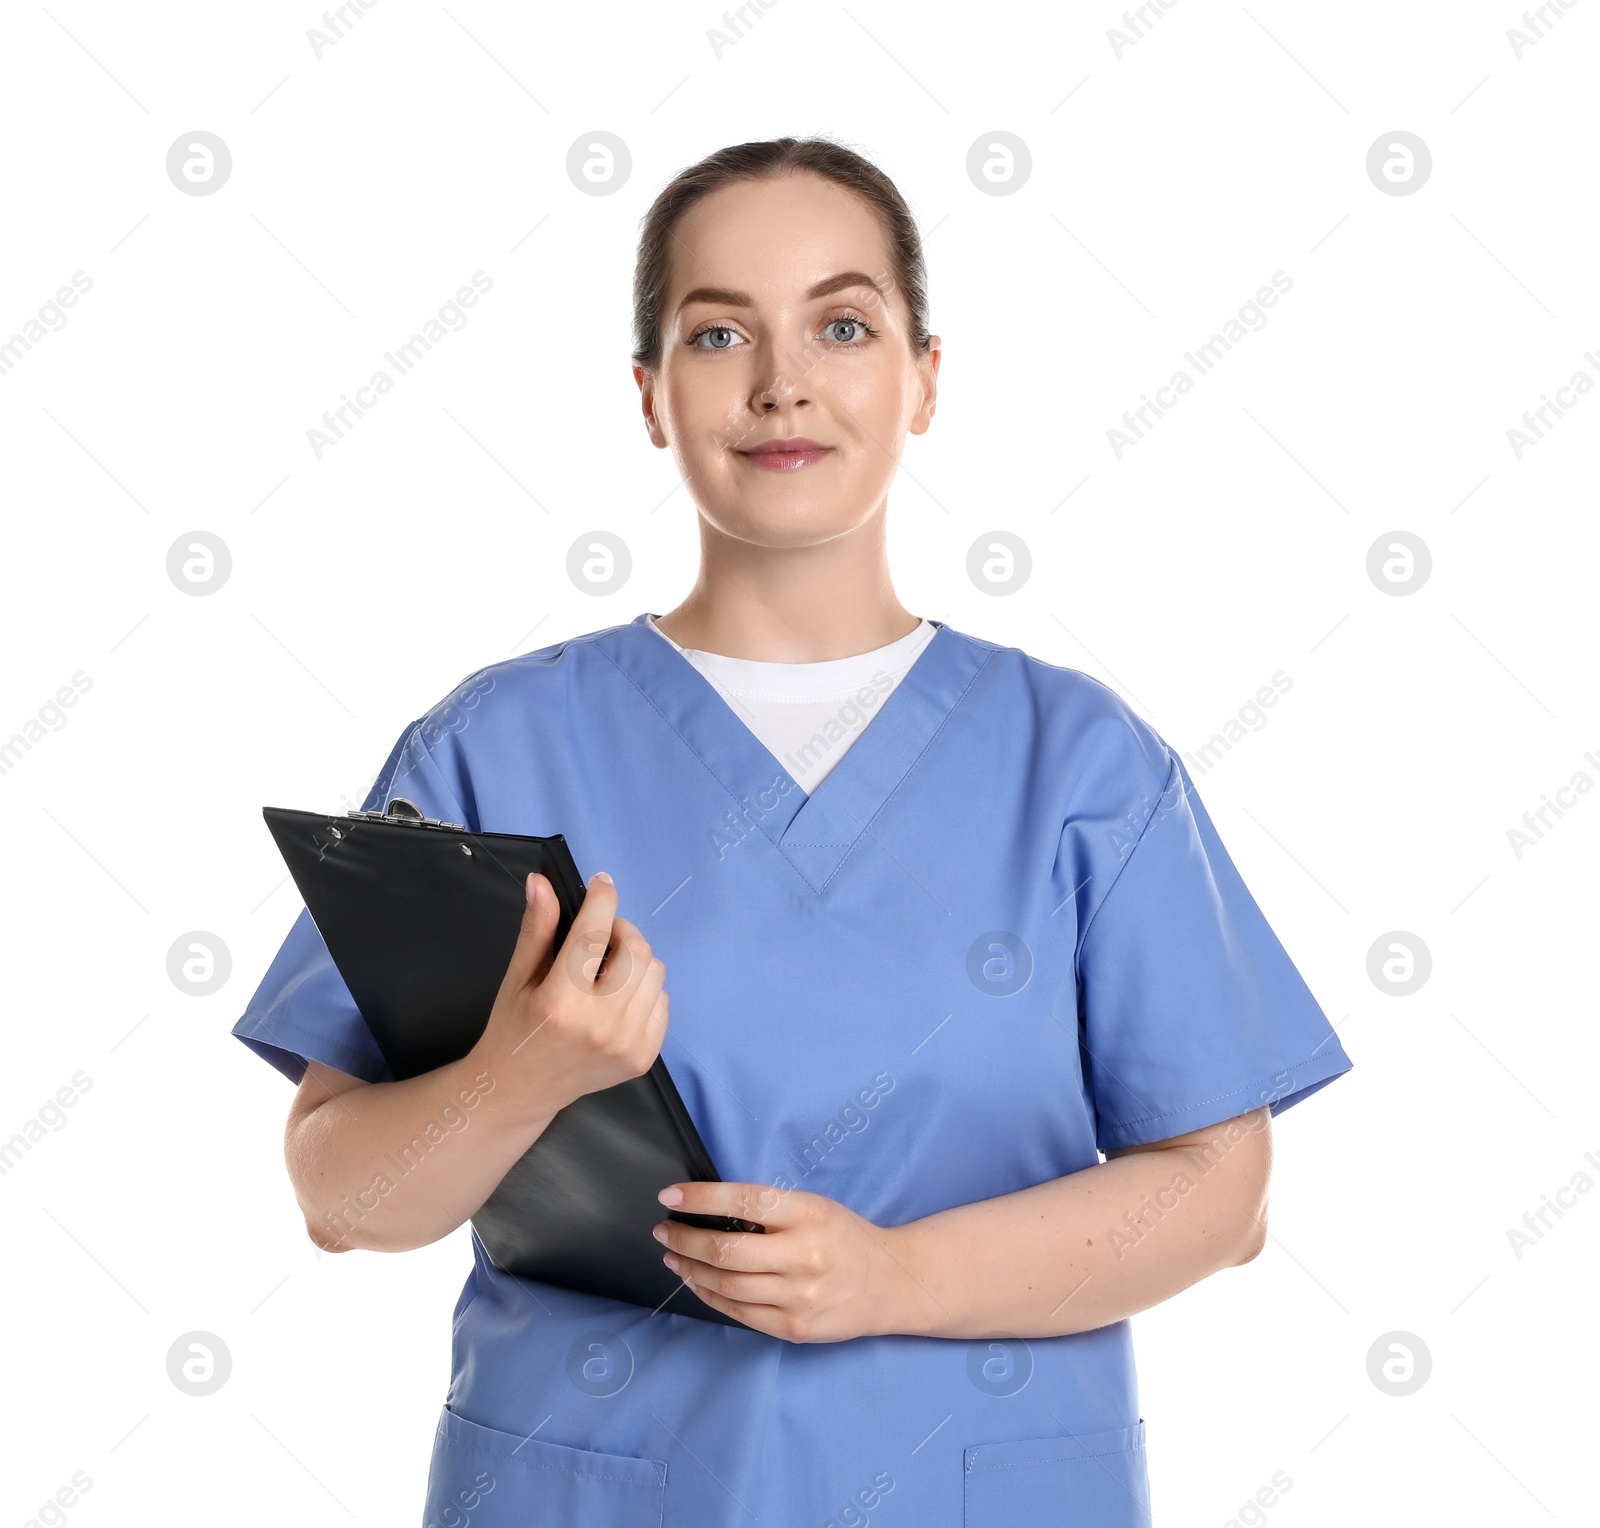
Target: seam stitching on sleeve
pixel 1084 937
pixel 415 732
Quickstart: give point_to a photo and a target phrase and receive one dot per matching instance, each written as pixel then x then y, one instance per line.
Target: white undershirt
pixel 807 715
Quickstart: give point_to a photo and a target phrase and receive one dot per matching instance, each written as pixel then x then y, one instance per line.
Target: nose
pixel 774 389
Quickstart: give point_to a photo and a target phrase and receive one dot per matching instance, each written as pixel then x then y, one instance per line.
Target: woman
pixel 943 924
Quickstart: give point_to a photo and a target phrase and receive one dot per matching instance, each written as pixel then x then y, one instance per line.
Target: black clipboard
pixel 420 917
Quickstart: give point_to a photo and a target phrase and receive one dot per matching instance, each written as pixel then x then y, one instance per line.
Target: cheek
pixel 870 406
pixel 880 389
pixel 698 401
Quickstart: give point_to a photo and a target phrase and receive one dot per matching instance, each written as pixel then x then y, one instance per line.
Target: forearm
pixel 1090 1248
pixel 394 1165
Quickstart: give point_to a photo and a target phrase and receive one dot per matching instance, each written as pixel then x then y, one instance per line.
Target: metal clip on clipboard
pixel 400 809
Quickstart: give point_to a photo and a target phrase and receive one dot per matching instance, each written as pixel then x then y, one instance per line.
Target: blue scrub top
pixel 1002 937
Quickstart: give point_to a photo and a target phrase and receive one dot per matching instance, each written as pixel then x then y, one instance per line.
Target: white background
pixel 1168 184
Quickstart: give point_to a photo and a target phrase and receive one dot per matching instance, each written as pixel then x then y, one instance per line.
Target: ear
pixel 647 403
pixel 928 374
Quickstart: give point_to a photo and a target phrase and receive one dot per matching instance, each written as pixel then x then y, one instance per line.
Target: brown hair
pixel 761 161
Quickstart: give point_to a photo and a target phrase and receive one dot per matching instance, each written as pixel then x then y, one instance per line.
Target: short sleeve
pixel 1191 1012
pixel 302 1011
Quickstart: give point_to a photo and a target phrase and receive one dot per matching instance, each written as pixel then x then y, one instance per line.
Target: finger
pixel 655 1026
pixel 590 934
pixel 763 1203
pixel 645 994
pixel 626 962
pixel 540 914
pixel 639 1032
pixel 730 1283
pixel 761 1318
pixel 622 966
pixel 739 1251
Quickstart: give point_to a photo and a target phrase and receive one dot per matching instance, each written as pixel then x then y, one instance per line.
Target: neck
pixel 805 604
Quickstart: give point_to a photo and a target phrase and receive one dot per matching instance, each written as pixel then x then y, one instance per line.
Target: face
pixel 787 381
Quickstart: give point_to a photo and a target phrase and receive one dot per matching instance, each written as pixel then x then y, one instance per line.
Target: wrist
pixel 501 1086
pixel 912 1306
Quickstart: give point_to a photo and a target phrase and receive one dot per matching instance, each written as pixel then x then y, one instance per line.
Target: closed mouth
pixel 792 455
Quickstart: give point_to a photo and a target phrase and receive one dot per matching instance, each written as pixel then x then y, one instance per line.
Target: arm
pixel 1069 1255
pixel 395 1165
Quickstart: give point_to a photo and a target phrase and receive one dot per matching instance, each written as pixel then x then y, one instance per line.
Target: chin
pixel 797 524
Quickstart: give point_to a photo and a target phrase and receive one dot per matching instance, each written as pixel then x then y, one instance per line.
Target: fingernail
pixel 670 1261
pixel 600 875
pixel 671 1195
pixel 527 886
pixel 659 1232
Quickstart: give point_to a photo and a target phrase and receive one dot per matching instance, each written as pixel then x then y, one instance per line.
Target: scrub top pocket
pixel 1093 1481
pixel 482 1478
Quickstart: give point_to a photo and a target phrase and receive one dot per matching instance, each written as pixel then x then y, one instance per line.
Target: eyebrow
pixel 726 297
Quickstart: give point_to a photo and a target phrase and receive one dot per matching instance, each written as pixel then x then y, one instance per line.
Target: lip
pixel 787 455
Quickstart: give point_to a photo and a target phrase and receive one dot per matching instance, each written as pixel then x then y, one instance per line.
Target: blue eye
pixel 846 323
pixel 720 336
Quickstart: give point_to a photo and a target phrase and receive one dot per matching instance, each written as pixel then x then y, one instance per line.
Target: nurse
pixel 968 1000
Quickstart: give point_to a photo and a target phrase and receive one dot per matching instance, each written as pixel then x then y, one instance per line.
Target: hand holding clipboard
pixel 424 922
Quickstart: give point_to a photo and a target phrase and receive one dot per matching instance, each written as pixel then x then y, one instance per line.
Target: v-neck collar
pixel 814 833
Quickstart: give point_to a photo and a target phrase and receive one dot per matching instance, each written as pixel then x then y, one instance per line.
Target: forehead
pixel 775 236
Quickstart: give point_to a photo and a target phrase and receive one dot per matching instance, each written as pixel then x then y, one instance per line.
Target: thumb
pixel 536 935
